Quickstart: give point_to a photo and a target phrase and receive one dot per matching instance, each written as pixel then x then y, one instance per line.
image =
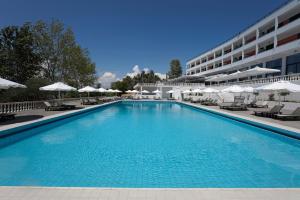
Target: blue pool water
pixel 149 144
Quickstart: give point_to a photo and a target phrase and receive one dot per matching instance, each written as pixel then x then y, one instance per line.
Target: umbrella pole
pixel 59 94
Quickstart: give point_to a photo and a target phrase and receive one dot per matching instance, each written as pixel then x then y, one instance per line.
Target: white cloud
pixel 107 78
pixel 161 76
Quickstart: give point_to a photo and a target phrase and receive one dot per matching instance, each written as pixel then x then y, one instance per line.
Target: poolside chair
pixel 269 112
pixel 7 116
pixel 289 116
pixel 260 104
pixel 50 107
pixel 92 101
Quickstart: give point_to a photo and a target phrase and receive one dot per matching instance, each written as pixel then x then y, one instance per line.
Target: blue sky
pixel 122 33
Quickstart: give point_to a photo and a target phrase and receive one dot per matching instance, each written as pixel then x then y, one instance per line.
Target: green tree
pixel 175 69
pixel 62 58
pixel 18 59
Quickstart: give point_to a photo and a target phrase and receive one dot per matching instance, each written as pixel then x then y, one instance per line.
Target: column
pixel 283 66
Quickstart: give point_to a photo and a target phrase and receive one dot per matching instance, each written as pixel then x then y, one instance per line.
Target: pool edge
pixel 15 128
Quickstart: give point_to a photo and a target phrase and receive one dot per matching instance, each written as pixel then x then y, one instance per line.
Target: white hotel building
pixel 273 42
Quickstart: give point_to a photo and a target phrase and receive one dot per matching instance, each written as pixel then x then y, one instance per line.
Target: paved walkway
pixel 249 113
pixel 44 193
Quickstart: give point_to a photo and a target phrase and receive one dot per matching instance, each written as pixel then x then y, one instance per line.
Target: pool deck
pixel 50 193
pixel 58 193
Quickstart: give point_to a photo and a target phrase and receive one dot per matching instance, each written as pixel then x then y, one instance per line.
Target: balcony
pixel 266 48
pixel 267 31
pixel 238 58
pixel 250 40
pixel 218 54
pixel 227 62
pixel 250 53
pixel 227 51
pixel 289 20
pixel 288 39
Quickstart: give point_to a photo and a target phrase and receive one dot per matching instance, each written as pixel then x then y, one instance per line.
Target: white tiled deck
pixel 44 193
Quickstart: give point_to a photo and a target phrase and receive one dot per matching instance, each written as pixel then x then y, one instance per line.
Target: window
pixel 274 64
pixel 293 64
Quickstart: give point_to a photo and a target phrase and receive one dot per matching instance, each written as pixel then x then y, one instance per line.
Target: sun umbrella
pixel 111 91
pixel 170 91
pixel 88 89
pixel 186 91
pixel 59 86
pixel 258 71
pixel 280 87
pixel 156 91
pixel 218 77
pixel 196 90
pixel 5 84
pixel 145 91
pixel 248 89
pixel 129 91
pixel 102 90
pixel 210 90
pixel 134 91
pixel 118 91
pixel 234 89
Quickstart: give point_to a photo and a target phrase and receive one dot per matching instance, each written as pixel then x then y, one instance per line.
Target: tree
pixel 63 59
pixel 18 59
pixel 175 69
pixel 128 83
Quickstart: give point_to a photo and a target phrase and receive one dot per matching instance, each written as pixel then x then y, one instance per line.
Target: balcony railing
pixel 291 77
pixel 288 39
pixel 169 84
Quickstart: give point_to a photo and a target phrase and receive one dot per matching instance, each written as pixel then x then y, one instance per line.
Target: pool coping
pixel 277 128
pixel 18 127
pixel 92 193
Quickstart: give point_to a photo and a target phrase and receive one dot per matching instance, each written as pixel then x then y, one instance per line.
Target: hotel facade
pixel 273 42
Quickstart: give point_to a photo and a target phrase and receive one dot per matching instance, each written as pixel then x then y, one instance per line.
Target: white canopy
pixel 111 91
pixel 145 91
pixel 118 91
pixel 186 92
pixel 210 90
pixel 134 91
pixel 280 86
pixel 129 91
pixel 250 72
pixel 102 90
pixel 88 89
pixel 217 77
pixel 258 71
pixel 233 89
pixel 156 91
pixel 5 84
pixel 59 86
pixel 248 89
pixel 170 91
pixel 196 90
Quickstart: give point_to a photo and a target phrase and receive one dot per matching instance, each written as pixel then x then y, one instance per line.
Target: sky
pixel 121 34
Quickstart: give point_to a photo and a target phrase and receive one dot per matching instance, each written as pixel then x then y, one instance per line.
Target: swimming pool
pixel 149 145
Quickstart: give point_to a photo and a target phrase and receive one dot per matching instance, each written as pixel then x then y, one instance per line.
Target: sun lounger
pixel 50 107
pixel 293 115
pixel 224 105
pixel 7 116
pixel 263 104
pixel 269 112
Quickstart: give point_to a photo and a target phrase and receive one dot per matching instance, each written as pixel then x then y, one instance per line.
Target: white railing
pixel 291 77
pixel 170 84
pixel 12 107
